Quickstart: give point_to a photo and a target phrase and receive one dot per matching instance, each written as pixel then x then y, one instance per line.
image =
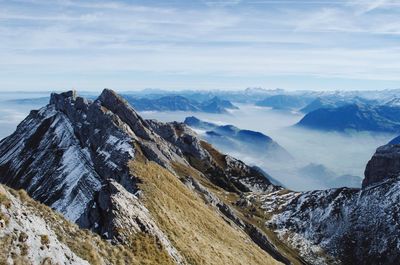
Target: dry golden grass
pixel 4 200
pixel 195 229
pixel 5 248
pixel 253 215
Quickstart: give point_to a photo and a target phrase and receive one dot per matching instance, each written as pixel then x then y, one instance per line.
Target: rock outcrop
pixel 384 165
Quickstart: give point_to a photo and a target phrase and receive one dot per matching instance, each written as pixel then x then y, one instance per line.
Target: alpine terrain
pixel 103 167
pixel 145 192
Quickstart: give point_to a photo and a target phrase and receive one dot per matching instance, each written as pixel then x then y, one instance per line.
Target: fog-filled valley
pixel 318 159
pixel 344 154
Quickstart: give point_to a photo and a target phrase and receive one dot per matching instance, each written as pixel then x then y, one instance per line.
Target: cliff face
pixel 90 161
pixel 384 165
pixel 343 226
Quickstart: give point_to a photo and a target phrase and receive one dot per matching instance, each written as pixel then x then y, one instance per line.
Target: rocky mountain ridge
pixel 82 158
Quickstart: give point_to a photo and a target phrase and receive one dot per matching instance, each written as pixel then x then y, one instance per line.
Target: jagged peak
pixel 119 106
pixel 108 96
pixel 57 97
pixel 116 103
pixel 68 102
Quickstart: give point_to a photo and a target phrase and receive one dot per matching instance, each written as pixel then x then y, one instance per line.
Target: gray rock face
pixel 384 165
pixel 181 136
pixel 63 154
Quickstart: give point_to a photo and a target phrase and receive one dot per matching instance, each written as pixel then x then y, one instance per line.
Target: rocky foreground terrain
pixel 146 192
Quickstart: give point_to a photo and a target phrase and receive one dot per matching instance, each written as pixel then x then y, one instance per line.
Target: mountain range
pixel 285 102
pixel 180 103
pixel 155 193
pixel 357 117
pixel 333 102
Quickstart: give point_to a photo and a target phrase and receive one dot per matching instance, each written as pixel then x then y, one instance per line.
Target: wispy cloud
pixel 218 40
pixel 222 3
pixel 364 6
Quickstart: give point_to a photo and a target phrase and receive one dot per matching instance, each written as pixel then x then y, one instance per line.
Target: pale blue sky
pixel 199 44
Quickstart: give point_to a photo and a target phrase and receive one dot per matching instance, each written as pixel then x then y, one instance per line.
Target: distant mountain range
pixel 229 137
pixel 357 117
pixel 327 178
pixel 332 102
pixel 285 102
pixel 180 103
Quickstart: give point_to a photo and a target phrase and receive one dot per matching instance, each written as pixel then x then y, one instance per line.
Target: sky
pixel 199 44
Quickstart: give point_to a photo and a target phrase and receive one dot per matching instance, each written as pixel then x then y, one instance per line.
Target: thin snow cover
pixel 74 202
pixel 47 111
pixel 276 201
pixel 76 166
pixel 29 126
pixel 122 145
pixel 331 220
pixel 23 220
pixel 106 155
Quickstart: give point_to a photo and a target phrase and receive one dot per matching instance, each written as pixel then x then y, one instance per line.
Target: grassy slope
pixel 254 215
pixel 195 229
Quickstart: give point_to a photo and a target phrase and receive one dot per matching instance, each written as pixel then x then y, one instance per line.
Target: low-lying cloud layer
pixel 342 154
